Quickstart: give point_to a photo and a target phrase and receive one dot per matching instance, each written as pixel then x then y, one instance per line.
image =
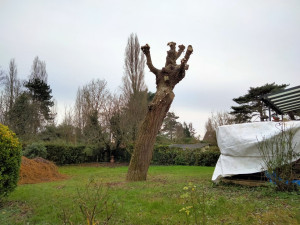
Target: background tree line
pixel 99 119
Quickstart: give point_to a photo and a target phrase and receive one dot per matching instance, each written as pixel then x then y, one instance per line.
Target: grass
pixel 156 201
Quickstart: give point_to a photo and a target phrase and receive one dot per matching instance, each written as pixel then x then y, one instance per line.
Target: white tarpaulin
pixel 238 146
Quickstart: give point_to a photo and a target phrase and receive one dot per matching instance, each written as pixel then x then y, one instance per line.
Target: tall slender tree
pixel 12 89
pixel 134 68
pixel 134 88
pixel 2 100
pixel 166 80
pixel 38 70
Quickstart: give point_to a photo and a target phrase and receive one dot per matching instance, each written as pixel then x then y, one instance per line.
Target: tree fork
pixel 166 80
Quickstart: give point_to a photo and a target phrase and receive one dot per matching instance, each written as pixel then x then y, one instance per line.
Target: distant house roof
pixel 284 101
pixel 189 146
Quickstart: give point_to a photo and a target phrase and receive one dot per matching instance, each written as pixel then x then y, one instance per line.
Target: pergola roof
pixel 284 101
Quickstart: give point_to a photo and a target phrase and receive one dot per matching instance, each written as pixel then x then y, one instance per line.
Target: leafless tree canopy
pixel 12 88
pixel 2 76
pixel 134 66
pixel 13 84
pixel 38 70
pixel 213 122
pixel 92 97
pixel 218 119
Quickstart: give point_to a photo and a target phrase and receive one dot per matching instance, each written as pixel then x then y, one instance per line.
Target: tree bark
pixel 166 79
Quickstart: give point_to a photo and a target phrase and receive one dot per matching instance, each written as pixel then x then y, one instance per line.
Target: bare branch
pixel 146 51
pixel 183 65
pixel 2 76
pixel 189 51
pixel 180 51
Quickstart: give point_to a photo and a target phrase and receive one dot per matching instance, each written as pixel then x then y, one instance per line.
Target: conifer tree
pixel 250 104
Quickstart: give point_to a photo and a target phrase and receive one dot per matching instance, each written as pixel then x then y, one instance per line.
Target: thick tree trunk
pixel 142 155
pixel 166 79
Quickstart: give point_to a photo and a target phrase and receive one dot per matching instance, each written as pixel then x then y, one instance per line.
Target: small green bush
pixel 10 160
pixel 36 149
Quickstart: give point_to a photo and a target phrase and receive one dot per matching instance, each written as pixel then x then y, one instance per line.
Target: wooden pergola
pixel 284 101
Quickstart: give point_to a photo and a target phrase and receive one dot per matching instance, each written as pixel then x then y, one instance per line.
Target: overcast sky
pixel 237 45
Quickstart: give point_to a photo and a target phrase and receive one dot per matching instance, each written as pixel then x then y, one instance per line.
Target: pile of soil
pixel 38 170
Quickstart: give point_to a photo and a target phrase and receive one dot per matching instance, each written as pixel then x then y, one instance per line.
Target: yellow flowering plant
pixel 194 201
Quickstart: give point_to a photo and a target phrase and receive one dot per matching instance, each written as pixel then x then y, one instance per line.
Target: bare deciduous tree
pixel 12 89
pixel 134 66
pixel 13 84
pixel 2 102
pixel 67 128
pixel 166 79
pixel 213 122
pixel 38 70
pixel 2 108
pixel 91 98
pixel 2 76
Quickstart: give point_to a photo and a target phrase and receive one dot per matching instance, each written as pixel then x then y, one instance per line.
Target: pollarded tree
pixel 166 80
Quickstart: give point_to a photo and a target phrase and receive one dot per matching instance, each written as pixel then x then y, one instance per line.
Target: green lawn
pixel 156 201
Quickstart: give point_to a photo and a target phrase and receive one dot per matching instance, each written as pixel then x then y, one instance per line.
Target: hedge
pixel 162 155
pixel 65 154
pixel 70 154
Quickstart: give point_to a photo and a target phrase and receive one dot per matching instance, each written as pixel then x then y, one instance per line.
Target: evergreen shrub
pixel 36 149
pixel 10 160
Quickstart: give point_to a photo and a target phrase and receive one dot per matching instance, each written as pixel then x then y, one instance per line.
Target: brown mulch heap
pixel 38 170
